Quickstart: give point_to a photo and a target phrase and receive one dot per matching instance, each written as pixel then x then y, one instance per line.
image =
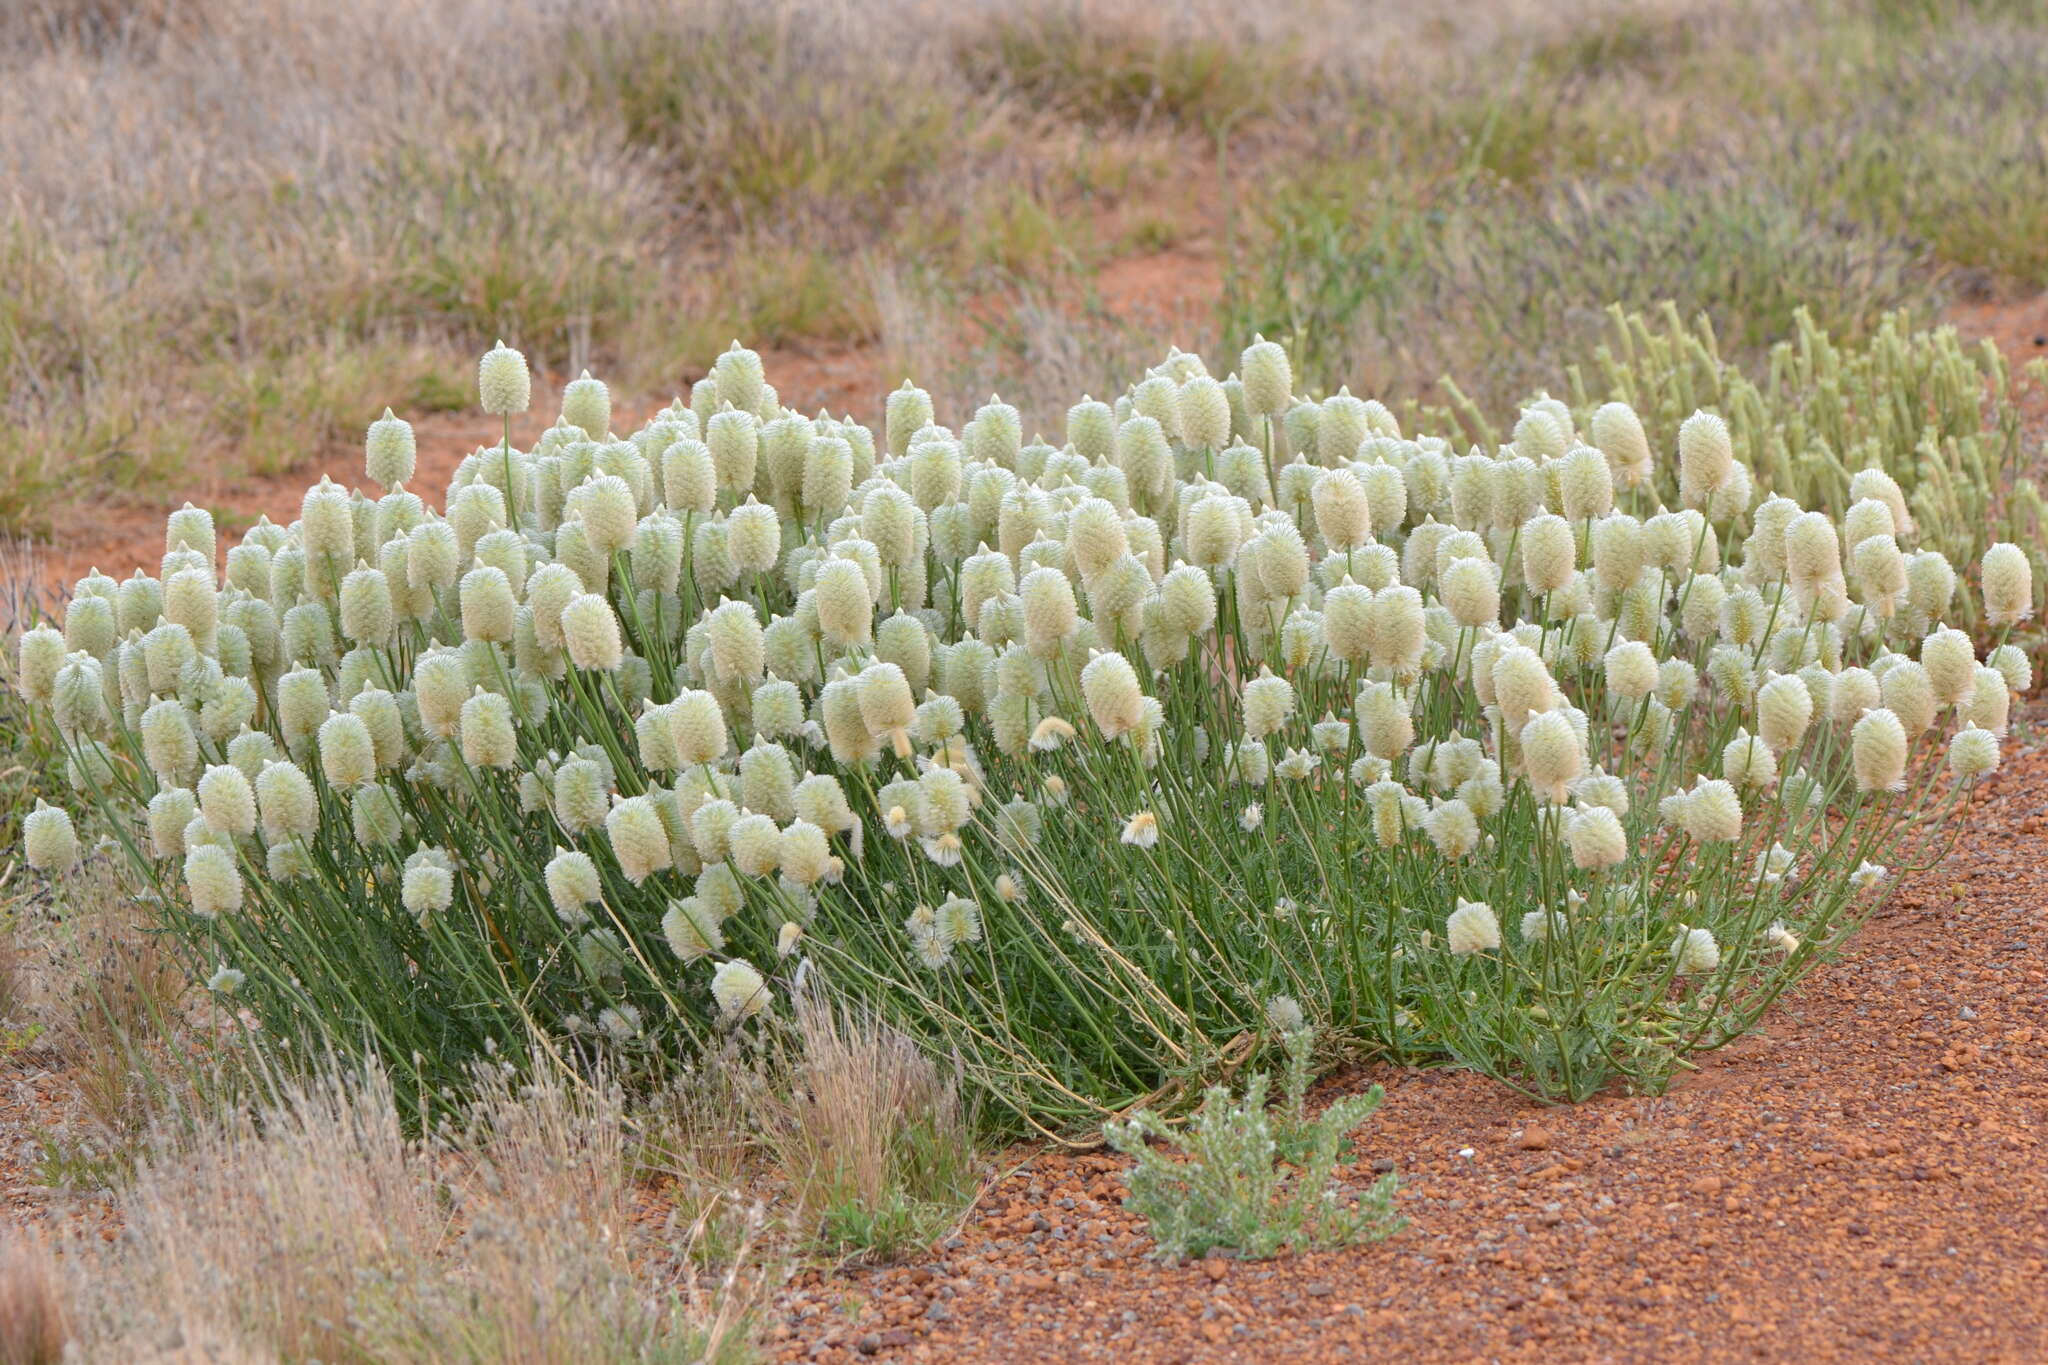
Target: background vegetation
pixel 237 229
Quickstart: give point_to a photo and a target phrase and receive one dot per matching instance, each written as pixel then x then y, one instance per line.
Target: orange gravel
pixel 1862 1180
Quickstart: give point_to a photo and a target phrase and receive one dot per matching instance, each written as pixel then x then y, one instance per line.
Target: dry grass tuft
pixel 33 1327
pixel 315 1227
pixel 870 1133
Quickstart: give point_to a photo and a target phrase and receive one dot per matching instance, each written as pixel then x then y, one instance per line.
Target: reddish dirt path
pixel 1862 1180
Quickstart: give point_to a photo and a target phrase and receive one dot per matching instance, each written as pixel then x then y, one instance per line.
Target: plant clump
pixel 1062 757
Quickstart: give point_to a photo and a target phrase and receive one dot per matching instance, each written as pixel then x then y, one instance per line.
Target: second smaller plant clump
pixel 1251 1179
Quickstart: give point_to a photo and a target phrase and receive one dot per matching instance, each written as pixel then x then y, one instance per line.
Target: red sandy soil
pixel 1861 1180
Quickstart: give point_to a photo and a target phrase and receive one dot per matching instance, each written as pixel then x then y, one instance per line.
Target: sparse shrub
pixel 1226 1184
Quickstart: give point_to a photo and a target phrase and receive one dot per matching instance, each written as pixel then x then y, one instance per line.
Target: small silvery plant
pixel 1249 1179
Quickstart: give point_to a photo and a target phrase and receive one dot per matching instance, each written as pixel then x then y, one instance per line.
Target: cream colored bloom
pixel 1472 928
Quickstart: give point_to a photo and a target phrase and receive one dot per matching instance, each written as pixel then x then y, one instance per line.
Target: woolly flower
pixel 886 707
pixel 375 817
pixel 503 383
pixel 691 930
pixel 1784 706
pixel 804 853
pixel 40 655
pixel 941 717
pixel 1549 552
pixel 1385 722
pixel 1631 670
pixel 639 840
pixel 1297 765
pixel 620 1023
pixel 1471 589
pixel 787 937
pixel 168 744
pixel 1115 701
pixel 1813 551
pixel 1706 457
pixel 1142 830
pixel 754 537
pixel 1251 817
pixel 1603 789
pixel 225 980
pixel 2008 585
pixel 1696 951
pixel 1537 924
pixel 1775 863
pixel 1855 690
pixel 1552 755
pixel 1283 1015
pixel 1951 663
pixel 348 756
pixel 1973 753
pixel 227 801
pixel 1452 828
pixel 957 921
pixel 1585 484
pixel 1781 938
pixel 489 609
pixel 170 810
pixel 1050 613
pixel 590 632
pixel 572 883
pixel 778 708
pixel 697 727
pixel 845 606
pixel 428 885
pixel 48 840
pixel 710 828
pixel 582 794
pixel 1472 928
pixel 1050 733
pixel 1877 750
pixel 754 845
pixel 1268 377
pixel 740 991
pixel 1268 703
pixel 1522 686
pixel 1749 763
pixel 488 737
pixel 212 880
pixel 1711 812
pixel 1595 837
pixel 945 802
pixel 587 404
pixel 1342 512
pixel 1868 875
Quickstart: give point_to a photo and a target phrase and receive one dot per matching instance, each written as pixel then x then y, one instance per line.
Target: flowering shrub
pixel 1064 757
